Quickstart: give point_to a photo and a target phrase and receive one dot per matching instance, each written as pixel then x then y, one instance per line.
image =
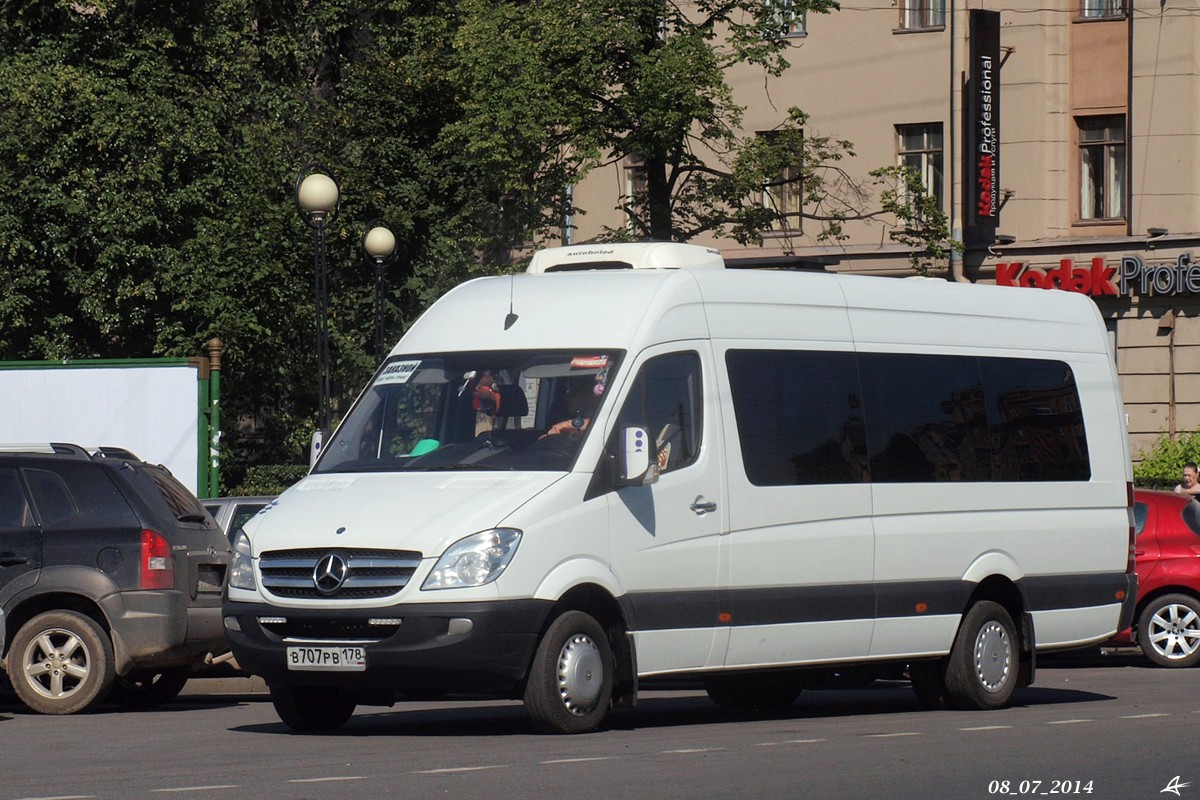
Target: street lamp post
pixel 319 200
pixel 380 243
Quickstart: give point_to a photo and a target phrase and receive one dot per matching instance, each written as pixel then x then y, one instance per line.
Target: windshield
pixel 501 410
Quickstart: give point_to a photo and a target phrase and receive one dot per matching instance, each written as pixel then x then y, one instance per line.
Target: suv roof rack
pixel 68 449
pixel 115 453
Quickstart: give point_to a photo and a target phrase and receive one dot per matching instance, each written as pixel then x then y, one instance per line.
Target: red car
pixel 1166 622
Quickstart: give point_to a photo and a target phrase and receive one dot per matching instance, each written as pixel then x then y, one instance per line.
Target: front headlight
pixel 475 560
pixel 241 570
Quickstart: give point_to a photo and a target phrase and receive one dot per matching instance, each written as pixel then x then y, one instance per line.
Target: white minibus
pixel 632 461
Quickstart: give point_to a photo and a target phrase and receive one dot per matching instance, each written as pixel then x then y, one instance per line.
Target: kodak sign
pixel 1100 280
pixel 1096 280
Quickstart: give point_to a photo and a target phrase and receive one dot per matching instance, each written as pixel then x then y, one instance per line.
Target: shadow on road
pixel 659 709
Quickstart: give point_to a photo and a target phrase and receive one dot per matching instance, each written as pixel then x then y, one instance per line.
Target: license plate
pixel 327 659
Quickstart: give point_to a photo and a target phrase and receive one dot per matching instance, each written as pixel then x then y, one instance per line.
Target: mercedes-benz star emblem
pixel 329 574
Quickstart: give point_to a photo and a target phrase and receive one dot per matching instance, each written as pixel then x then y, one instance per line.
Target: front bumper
pixel 481 647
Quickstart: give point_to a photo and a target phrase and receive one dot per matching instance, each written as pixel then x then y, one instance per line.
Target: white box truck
pixel 634 462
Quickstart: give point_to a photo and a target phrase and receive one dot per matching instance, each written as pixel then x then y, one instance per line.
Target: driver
pixel 581 403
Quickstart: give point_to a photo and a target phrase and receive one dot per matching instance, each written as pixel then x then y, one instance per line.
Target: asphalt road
pixel 1111 727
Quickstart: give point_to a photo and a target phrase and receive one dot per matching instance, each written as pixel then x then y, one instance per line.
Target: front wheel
pixel 61 662
pixel 1169 631
pixel 981 672
pixel 571 678
pixel 311 709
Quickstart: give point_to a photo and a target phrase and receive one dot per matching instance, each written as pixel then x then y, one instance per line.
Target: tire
pixel 570 683
pixel 1169 631
pixel 311 709
pixel 148 688
pixel 981 672
pixel 929 684
pixel 61 662
pixel 765 691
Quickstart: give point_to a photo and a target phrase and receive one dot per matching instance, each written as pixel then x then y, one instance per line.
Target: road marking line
pixel 196 788
pixel 1068 721
pixel 334 778
pixel 685 751
pixel 445 770
pixel 1144 716
pixel 889 735
pixel 64 797
pixel 577 760
pixel 804 741
pixel 988 728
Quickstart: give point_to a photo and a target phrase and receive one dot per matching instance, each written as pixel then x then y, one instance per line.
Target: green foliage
pixel 266 479
pixel 148 152
pixel 1163 464
pixel 569 87
pixel 922 225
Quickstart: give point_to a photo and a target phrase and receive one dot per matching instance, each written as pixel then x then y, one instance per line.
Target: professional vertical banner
pixel 981 129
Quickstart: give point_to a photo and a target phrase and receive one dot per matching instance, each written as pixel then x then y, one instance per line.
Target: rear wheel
pixel 929 684
pixel 311 709
pixel 1169 631
pixel 981 672
pixel 149 688
pixel 60 662
pixel 765 691
pixel 571 678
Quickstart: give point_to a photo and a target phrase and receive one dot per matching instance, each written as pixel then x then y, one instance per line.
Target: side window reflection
pixel 14 508
pixel 666 401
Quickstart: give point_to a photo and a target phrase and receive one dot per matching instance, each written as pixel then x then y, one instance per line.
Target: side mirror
pixel 638 463
pixel 314 447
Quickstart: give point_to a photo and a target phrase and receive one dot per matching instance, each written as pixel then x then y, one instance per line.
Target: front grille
pixel 330 629
pixel 369 573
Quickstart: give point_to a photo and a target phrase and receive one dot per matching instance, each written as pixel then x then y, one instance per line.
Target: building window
pixel 1102 167
pixel 918 14
pixel 1100 9
pixel 634 190
pixel 784 19
pixel 920 148
pixel 785 196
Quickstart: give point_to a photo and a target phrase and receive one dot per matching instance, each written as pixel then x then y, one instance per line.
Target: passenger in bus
pixel 486 401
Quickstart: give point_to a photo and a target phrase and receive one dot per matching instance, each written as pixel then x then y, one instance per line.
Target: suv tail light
pixel 156 568
pixel 1131 561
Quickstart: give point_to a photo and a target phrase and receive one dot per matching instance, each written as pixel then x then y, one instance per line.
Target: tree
pixel 148 151
pixel 554 89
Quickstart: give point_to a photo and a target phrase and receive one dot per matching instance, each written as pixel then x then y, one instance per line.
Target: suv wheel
pixel 60 662
pixel 148 688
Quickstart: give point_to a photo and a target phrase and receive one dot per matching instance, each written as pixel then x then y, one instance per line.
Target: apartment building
pixel 1062 138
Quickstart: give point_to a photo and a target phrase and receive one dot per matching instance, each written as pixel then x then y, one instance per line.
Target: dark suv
pixel 110 579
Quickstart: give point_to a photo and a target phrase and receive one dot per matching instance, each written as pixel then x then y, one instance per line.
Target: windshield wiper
pixel 192 517
pixel 461 468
